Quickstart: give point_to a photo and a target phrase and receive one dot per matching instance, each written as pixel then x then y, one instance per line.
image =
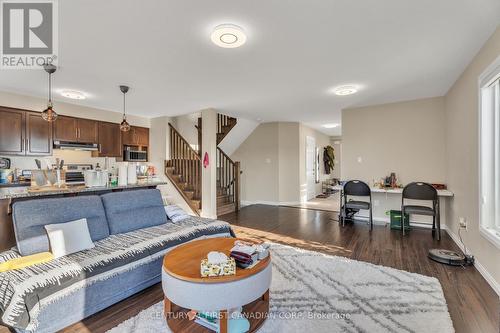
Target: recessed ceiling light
pixel 73 94
pixel 228 36
pixel 345 90
pixel 330 125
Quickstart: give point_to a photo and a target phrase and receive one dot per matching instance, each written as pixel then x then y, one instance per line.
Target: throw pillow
pixel 69 237
pixel 175 213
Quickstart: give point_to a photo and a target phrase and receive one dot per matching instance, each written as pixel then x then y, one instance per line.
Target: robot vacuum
pixel 450 257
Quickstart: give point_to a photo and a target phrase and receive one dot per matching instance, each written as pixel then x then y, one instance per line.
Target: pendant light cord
pixel 50 87
pixel 124 117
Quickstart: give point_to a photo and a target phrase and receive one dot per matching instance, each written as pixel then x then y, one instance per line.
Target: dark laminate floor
pixel 473 305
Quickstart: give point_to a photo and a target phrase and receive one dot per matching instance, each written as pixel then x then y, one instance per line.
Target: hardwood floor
pixel 473 305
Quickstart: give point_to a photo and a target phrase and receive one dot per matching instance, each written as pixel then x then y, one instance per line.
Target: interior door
pixel 311 167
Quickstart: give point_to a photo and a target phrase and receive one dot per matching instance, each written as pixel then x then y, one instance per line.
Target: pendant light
pixel 49 114
pixel 124 125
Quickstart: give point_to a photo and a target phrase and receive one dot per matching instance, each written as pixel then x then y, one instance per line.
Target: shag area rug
pixel 314 292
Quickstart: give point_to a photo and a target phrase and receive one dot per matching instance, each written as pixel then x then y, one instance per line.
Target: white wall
pixel 208 174
pixel 288 163
pixel 407 138
pixel 185 125
pixel 237 135
pixel 259 159
pixel 336 143
pixel 273 163
pixel 461 105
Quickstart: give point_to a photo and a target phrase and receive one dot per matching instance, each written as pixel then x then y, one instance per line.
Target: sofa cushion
pixel 31 216
pixel 131 210
pixel 69 237
pixel 176 213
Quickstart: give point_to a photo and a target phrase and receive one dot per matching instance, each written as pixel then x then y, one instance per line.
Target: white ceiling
pixel 296 51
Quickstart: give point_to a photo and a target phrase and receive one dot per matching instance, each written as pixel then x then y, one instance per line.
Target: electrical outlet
pixel 462 223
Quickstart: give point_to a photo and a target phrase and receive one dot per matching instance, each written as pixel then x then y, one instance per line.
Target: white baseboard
pixel 270 203
pixel 481 269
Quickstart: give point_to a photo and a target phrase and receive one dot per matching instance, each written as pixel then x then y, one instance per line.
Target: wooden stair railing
pixel 184 169
pixel 228 183
pixel 224 125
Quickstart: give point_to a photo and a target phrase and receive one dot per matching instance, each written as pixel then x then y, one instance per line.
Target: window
pixel 489 153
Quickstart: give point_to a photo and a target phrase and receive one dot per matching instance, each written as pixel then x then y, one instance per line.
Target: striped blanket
pixel 25 292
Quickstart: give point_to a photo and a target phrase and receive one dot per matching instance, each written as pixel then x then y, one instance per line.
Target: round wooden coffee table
pixel 185 289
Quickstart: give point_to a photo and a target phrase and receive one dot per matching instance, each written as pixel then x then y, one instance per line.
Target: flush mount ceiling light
pixel 228 36
pixel 73 94
pixel 345 90
pixel 330 125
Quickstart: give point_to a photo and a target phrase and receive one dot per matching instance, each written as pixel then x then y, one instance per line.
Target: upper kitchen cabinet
pixel 137 136
pixel 87 130
pixel 12 131
pixel 65 129
pixel 38 135
pixel 24 133
pixel 75 130
pixel 110 143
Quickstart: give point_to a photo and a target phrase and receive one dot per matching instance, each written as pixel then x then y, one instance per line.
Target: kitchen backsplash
pixel 69 157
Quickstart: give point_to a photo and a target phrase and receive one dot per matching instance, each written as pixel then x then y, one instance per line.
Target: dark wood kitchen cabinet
pixel 87 130
pixel 38 135
pixel 12 131
pixel 137 136
pixel 76 129
pixel 110 140
pixel 24 133
pixel 65 129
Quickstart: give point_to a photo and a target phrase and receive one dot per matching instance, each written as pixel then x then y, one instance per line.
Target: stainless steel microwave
pixel 135 155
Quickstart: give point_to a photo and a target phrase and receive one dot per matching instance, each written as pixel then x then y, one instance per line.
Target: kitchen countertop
pixel 16 184
pixel 23 192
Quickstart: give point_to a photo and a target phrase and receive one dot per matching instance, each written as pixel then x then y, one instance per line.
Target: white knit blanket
pixel 25 292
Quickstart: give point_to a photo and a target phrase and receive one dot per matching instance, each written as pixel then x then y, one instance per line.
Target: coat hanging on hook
pixel 206 161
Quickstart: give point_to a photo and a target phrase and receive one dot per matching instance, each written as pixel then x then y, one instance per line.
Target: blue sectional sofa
pixel 131 233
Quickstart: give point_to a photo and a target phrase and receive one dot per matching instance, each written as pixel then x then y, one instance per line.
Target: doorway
pixel 311 167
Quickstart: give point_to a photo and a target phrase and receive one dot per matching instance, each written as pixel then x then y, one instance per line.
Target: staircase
pixel 224 125
pixel 184 169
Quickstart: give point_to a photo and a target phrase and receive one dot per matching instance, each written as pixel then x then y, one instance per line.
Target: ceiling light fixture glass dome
pixel 346 90
pixel 228 36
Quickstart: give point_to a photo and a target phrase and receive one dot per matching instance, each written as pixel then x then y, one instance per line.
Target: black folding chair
pixel 421 191
pixel 355 188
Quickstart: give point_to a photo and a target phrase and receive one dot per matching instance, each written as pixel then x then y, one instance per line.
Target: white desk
pixel 441 193
pixel 384 200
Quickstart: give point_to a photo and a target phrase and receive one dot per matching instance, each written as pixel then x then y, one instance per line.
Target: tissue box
pixel 211 270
